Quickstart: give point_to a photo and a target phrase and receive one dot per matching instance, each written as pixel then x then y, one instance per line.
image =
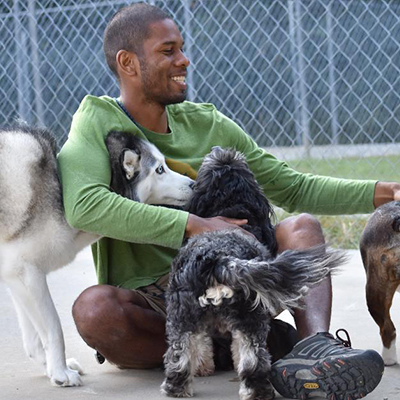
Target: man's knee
pixel 102 309
pixel 306 223
pixel 299 232
pixel 92 305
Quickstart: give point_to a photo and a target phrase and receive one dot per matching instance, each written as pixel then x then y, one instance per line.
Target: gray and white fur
pixel 232 282
pixel 35 238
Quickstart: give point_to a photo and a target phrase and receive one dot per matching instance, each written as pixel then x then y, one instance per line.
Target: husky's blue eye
pixel 160 170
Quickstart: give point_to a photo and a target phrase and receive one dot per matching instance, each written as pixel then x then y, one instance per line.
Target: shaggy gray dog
pixel 228 281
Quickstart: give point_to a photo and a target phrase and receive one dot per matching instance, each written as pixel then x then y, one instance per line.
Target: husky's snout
pixel 186 189
pixel 171 188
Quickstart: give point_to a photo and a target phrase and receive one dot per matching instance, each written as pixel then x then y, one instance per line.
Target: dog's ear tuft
pixel 130 162
pixel 216 149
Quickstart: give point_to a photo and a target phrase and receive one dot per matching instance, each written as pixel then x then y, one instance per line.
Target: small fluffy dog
pixel 380 251
pixel 35 238
pixel 230 282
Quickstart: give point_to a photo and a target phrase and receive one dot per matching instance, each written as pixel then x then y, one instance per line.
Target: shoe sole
pixel 338 378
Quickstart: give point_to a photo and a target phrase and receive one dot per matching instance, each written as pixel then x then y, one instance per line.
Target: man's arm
pixel 300 192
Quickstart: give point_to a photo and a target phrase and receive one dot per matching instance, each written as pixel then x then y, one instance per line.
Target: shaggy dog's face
pixel 223 174
pixel 225 186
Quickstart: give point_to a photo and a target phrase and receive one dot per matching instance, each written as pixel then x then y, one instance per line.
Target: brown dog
pixel 380 251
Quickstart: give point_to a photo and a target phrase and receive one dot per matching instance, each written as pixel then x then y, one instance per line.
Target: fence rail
pixel 293 73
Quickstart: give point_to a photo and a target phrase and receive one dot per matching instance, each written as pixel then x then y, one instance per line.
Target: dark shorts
pixel 154 294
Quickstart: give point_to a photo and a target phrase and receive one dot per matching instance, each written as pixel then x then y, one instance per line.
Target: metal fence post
pixel 35 63
pixel 299 65
pixel 22 60
pixel 188 48
pixel 331 66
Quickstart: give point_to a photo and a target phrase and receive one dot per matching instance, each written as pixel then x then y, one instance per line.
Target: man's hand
pixel 197 225
pixel 386 192
pixel 396 194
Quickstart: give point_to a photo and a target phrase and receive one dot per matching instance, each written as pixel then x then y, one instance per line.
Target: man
pixel 123 317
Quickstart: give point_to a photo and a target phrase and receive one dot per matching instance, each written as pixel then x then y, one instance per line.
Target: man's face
pixel 163 64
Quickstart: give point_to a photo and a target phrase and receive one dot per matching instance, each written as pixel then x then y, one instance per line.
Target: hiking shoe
pixel 323 365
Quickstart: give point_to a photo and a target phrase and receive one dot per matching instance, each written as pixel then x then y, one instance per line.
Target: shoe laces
pixel 345 342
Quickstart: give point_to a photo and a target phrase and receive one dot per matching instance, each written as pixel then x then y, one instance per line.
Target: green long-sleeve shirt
pixel 141 240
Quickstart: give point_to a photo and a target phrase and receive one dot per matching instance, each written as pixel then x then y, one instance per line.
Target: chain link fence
pixel 315 81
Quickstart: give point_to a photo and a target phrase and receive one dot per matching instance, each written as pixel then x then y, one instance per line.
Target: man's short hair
pixel 127 30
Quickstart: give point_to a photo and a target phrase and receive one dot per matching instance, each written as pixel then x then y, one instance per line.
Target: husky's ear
pixel 130 162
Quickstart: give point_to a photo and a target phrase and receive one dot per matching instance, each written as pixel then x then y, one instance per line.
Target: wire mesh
pixel 315 81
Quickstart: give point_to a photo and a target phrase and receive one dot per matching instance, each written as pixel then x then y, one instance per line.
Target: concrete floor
pixel 21 378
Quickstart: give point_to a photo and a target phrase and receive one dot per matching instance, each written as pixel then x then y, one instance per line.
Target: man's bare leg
pixel 120 325
pixel 301 232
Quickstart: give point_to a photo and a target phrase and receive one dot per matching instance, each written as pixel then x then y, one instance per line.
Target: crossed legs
pixel 130 334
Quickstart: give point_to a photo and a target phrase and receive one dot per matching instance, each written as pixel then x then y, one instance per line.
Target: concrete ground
pixel 21 378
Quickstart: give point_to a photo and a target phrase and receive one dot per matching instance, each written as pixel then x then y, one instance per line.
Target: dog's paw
pixel 260 392
pixel 170 390
pixel 65 377
pixel 389 361
pixel 74 365
pixel 389 355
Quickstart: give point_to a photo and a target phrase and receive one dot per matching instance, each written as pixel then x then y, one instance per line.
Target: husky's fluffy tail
pixel 280 283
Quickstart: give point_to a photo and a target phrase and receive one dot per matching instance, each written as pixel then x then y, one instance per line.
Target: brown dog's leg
pixel 379 300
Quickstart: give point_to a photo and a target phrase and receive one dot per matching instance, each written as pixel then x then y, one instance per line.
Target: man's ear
pixel 130 162
pixel 127 63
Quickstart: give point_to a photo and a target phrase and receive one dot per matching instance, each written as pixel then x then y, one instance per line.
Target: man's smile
pixel 180 79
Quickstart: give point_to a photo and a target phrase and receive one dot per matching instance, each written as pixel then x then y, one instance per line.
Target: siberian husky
pixel 35 238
